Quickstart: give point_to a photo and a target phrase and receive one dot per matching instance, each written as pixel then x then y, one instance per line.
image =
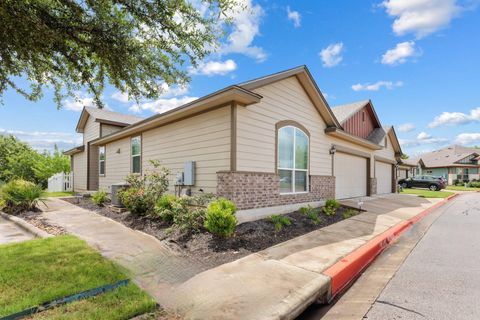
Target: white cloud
pixel 468 138
pixel 423 136
pixel 215 68
pixel 167 92
pixel 245 27
pixel 121 97
pixel 423 139
pixel 376 86
pixel 43 140
pixel 420 17
pixel 332 55
pixel 294 16
pixel 400 53
pixel 162 105
pixel 80 100
pixel 406 127
pixel 455 118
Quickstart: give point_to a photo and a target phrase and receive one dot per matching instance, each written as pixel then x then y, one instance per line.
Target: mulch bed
pixel 211 250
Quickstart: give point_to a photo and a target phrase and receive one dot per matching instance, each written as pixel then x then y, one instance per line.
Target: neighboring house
pixel 407 168
pixel 94 123
pixel 267 142
pixel 453 163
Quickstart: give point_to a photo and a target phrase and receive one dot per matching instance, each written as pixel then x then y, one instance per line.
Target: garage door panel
pixel 350 176
pixel 383 173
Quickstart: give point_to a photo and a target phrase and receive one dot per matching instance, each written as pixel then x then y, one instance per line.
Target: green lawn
pixel 461 188
pixel 424 193
pixel 59 194
pixel 37 271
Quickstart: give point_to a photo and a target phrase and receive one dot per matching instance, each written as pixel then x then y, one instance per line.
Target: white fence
pixel 60 182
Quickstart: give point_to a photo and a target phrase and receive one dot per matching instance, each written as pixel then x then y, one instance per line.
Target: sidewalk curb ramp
pixel 347 269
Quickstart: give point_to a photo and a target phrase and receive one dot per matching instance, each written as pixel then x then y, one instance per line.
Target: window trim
pixel 100 174
pixel 136 155
pixel 295 126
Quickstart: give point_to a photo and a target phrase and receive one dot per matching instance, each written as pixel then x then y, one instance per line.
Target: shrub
pixel 220 218
pixel 100 198
pixel 20 195
pixel 3 204
pixel 474 184
pixel 280 221
pixel 145 190
pixel 349 213
pixel 166 206
pixel 187 220
pixel 331 206
pixel 135 201
pixel 311 213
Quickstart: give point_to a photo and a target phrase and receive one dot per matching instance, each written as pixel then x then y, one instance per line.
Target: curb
pixel 347 269
pixel 38 233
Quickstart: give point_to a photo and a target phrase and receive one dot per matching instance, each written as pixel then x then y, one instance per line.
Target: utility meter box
pixel 189 173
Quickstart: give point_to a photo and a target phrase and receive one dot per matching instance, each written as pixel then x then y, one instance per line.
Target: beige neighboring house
pixel 94 123
pixel 268 142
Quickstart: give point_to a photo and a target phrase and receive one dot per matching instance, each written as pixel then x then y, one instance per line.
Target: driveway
pixel 440 278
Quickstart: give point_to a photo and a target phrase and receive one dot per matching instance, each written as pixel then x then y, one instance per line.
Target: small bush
pixel 190 219
pixel 3 204
pixel 280 221
pixel 166 207
pixel 331 206
pixel 474 184
pixel 349 213
pixel 220 218
pixel 20 195
pixel 311 213
pixel 100 198
pixel 135 201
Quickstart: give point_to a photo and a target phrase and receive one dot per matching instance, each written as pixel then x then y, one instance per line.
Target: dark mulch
pixel 211 250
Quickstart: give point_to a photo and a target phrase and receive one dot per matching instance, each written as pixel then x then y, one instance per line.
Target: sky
pixel 417 60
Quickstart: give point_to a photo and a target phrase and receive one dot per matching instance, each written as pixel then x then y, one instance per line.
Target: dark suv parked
pixel 430 182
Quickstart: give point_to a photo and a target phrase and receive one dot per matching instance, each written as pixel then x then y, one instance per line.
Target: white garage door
pixel 350 176
pixel 383 172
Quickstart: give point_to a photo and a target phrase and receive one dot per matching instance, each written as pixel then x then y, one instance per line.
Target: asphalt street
pixel 440 279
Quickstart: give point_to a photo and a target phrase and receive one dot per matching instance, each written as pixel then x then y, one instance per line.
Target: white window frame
pixel 135 155
pixel 294 155
pixel 100 161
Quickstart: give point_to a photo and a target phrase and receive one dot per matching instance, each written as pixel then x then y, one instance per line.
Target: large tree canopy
pixel 77 44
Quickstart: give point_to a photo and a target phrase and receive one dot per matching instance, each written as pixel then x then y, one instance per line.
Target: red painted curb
pixel 343 272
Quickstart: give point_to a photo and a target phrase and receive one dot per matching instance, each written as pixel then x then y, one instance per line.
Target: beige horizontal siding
pixel 109 129
pixel 91 130
pixel 204 138
pixel 117 163
pixel 80 171
pixel 283 100
pixel 387 152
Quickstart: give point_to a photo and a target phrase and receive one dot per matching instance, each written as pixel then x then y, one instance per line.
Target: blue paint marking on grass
pixel 71 298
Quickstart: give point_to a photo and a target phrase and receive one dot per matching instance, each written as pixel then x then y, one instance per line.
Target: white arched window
pixel 293 159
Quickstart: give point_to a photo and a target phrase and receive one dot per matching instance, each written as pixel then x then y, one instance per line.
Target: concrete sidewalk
pixel 10 232
pixel 153 265
pixel 279 282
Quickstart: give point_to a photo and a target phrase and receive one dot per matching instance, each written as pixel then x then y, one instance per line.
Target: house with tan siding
pixel 268 142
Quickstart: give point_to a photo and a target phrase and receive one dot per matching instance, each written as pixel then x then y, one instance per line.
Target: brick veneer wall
pixel 259 189
pixel 373 186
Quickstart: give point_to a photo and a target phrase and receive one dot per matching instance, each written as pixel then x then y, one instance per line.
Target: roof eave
pixel 338 133
pixel 223 97
pixel 74 150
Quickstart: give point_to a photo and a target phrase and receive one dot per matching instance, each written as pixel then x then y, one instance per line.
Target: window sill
pixel 293 193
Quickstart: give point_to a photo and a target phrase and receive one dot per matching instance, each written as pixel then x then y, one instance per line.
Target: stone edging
pixel 38 233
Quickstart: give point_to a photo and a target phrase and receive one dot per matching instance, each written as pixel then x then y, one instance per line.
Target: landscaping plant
pixel 331 206
pixel 166 207
pixel 311 213
pixel 100 198
pixel 349 213
pixel 279 221
pixel 20 195
pixel 145 190
pixel 220 218
pixel 474 184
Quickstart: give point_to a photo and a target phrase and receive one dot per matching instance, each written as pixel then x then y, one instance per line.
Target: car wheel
pixel 433 187
pixel 404 185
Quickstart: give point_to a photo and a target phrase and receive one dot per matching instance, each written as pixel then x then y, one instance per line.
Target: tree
pixel 71 45
pixel 19 160
pixel 405 156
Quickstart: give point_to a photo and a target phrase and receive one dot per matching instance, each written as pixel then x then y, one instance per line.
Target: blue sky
pixel 418 60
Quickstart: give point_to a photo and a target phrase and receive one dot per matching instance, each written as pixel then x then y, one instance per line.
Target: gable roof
pixel 448 156
pixel 241 93
pixel 346 111
pixel 105 116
